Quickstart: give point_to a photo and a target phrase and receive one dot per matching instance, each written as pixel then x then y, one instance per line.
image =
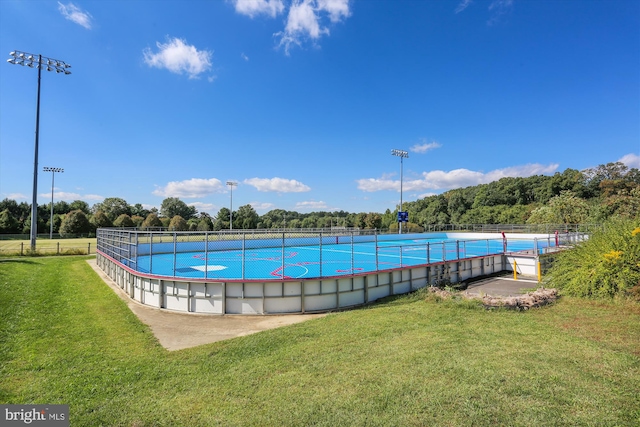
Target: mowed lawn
pixel 49 247
pixel 66 338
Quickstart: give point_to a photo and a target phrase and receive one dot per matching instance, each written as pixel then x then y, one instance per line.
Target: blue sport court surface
pixel 327 260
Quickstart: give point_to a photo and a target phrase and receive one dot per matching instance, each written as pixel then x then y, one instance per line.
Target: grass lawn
pixel 49 247
pixel 66 338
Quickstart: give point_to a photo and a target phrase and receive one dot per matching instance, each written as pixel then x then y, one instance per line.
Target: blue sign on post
pixel 403 216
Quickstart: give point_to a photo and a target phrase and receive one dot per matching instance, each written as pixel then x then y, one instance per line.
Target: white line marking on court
pixel 208 267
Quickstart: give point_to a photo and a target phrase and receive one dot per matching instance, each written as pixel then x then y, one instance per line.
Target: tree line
pixel 570 197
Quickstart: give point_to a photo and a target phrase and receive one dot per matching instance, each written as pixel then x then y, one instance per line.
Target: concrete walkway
pixel 502 286
pixel 176 331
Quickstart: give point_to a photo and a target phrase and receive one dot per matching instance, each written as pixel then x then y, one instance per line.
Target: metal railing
pixel 271 255
pixel 515 228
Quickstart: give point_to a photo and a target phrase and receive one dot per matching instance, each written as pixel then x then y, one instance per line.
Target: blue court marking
pixel 315 261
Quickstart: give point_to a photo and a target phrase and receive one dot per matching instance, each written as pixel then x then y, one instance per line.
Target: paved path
pixel 502 286
pixel 177 331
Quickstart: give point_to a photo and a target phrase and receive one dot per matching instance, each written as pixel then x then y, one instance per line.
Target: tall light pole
pixel 403 155
pixel 231 184
pixel 53 174
pixel 37 61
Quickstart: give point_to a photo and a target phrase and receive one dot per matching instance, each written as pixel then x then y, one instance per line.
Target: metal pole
pixel 401 167
pixel 53 172
pixel 24 58
pixel 402 154
pixel 34 200
pixel 51 218
pixel 231 184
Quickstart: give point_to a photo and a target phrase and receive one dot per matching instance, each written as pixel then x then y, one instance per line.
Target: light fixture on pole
pixel 401 217
pixel 37 61
pixel 53 174
pixel 231 184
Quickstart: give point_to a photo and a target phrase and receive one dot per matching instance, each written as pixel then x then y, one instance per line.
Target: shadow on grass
pixel 20 261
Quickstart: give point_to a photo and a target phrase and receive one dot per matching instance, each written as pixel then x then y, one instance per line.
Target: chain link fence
pixel 289 254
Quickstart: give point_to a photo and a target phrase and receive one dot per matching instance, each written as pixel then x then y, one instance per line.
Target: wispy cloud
pixel 191 188
pixel 17 196
pixel 243 56
pixel 204 207
pixel 631 160
pixel 463 5
pixel 279 185
pixel 499 8
pixel 305 21
pixel 62 195
pixel 311 205
pixel 252 8
pixel 74 14
pixel 178 57
pixel 441 180
pixel 425 146
pixel 261 206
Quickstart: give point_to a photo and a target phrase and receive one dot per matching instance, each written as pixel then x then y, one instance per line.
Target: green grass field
pixel 49 247
pixel 66 338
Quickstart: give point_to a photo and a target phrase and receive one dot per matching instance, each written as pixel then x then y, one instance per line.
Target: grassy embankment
pixel 65 337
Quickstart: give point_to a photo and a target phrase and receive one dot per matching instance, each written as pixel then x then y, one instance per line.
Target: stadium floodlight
pixel 403 155
pixel 231 184
pixel 37 61
pixel 53 174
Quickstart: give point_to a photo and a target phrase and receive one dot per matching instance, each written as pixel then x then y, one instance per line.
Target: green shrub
pixel 75 222
pixel 178 224
pixel 606 265
pixel 123 220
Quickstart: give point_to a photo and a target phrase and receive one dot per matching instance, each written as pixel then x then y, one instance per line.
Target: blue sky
pixel 301 101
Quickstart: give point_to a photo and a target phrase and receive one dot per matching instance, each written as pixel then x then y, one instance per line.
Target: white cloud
pixel 191 188
pixel 252 8
pixel 209 208
pixel 62 195
pixel 95 197
pixel 17 196
pixel 179 57
pixel 279 185
pixel 260 206
pixel 305 17
pixel 426 146
pixel 73 13
pixel 441 180
pixel 243 56
pixel 311 205
pixel 425 195
pixel 463 5
pixel 631 160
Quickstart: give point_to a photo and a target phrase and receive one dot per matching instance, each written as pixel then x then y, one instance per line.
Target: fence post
pixel 428 254
pixel 175 247
pixel 377 268
pixel 320 254
pixel 58 248
pixel 21 248
pixel 283 235
pixel 206 254
pixel 352 254
pixel 244 243
pixel 151 252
